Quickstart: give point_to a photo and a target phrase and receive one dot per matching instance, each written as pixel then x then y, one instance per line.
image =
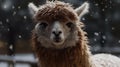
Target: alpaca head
pixel 56 24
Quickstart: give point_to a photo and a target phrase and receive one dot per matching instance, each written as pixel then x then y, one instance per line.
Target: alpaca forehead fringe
pixel 55 11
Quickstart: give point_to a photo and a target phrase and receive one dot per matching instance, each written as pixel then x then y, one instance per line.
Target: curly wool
pixel 105 60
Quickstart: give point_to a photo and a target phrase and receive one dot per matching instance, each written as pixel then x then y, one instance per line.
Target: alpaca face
pixel 57 24
pixel 57 34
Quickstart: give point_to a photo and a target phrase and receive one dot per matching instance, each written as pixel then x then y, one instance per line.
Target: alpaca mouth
pixel 57 41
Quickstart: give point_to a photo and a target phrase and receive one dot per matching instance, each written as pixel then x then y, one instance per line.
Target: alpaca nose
pixel 57 33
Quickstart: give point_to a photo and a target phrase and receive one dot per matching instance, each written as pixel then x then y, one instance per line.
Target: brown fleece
pixel 59 11
pixel 77 56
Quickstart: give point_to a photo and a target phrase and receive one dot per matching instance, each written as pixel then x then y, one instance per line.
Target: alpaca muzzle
pixel 57 38
pixel 57 35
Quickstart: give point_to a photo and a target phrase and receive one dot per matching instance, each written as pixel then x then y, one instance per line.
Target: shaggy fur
pixel 55 11
pixel 76 56
pixel 68 57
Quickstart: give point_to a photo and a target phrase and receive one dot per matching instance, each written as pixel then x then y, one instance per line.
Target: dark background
pixel 102 24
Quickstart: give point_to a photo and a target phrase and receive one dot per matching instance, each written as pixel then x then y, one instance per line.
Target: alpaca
pixel 59 41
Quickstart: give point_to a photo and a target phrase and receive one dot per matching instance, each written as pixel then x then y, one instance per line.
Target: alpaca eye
pixel 70 24
pixel 43 25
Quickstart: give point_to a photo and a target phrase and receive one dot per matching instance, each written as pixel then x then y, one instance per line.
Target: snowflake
pixel 104 37
pixel 83 18
pixel 25 17
pixel 7 20
pixel 5 6
pixel 19 36
pixel 8 29
pixel 14 13
pixel 95 39
pixel 19 7
pixel 118 41
pixel 106 19
pixel 103 9
pixel 97 34
pixel 11 46
pixel 96 4
pixel 113 28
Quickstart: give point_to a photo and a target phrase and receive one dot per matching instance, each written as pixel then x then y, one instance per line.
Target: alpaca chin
pixel 58 44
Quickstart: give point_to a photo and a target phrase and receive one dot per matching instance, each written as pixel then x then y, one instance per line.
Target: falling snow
pixel 19 36
pixel 95 39
pixel 25 17
pixel 104 37
pixel 96 4
pixel 83 18
pixel 14 13
pixel 7 20
pixel 103 9
pixel 11 47
pixel 19 7
pixel 97 34
pixel 106 19
pixel 6 5
pixel 118 41
pixel 8 29
pixel 113 28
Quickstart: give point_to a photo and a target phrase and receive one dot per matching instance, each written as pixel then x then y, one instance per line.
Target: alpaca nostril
pixel 53 32
pixel 57 33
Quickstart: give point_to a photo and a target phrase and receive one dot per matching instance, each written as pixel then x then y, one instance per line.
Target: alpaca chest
pixel 60 58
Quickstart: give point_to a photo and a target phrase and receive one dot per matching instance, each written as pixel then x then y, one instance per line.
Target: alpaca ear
pixel 83 9
pixel 33 9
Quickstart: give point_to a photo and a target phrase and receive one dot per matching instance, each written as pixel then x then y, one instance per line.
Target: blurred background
pixel 102 24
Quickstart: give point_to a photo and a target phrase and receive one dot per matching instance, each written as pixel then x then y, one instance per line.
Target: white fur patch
pixel 57 27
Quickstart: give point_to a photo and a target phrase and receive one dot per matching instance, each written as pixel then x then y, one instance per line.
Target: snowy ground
pixel 17 65
pixel 28 57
